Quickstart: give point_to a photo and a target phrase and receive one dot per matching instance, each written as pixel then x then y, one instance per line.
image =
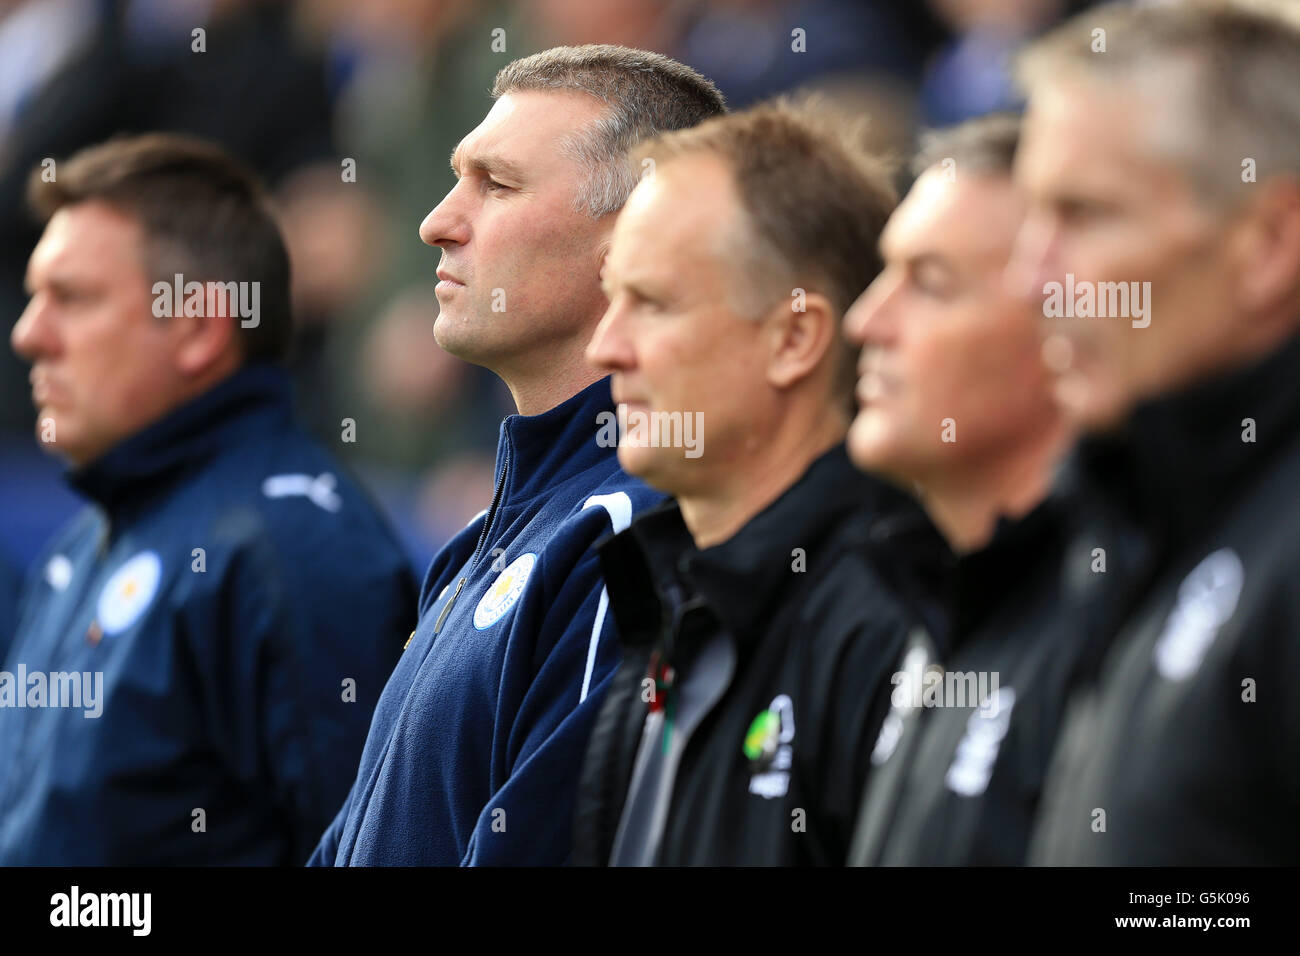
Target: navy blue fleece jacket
pixel 232 603
pixel 478 738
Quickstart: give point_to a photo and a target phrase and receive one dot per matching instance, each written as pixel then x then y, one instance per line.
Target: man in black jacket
pixel 956 403
pixel 758 637
pixel 1178 744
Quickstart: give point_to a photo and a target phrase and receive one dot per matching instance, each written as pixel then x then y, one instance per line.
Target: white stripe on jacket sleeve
pixel 619 506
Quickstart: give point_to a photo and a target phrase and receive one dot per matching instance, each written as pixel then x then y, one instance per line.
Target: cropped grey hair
pixel 646 93
pixel 1242 66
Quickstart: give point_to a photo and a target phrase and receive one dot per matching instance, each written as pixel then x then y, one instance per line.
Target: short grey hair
pixel 1244 62
pixel 985 145
pixel 646 94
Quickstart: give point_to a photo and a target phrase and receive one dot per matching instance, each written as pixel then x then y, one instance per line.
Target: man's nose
pixel 870 320
pixel 448 222
pixel 1033 261
pixel 610 347
pixel 33 335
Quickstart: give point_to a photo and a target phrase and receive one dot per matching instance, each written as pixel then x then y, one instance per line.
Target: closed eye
pixel 67 293
pixel 931 278
pixel 1082 210
pixel 643 301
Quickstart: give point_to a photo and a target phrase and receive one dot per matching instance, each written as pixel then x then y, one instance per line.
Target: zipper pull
pixel 664 698
pixel 669 710
pixel 663 677
pixel 442 617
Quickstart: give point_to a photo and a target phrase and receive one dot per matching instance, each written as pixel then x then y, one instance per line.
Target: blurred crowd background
pixel 296 87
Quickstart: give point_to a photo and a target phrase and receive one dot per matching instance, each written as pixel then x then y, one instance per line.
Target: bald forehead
pixel 687 201
pixel 1095 136
pixel 966 215
pixel 86 239
pixel 525 130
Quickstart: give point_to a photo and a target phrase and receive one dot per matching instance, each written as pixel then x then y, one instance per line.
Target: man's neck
pixel 758 477
pixel 540 385
pixel 966 505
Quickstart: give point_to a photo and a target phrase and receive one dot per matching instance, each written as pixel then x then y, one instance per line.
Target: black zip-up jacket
pixel 1179 743
pixel 960 760
pixel 756 673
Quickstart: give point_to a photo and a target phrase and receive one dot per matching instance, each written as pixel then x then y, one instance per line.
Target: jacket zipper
pixel 446 608
pixel 482 539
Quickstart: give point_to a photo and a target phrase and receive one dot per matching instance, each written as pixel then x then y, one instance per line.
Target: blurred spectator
pixel 649 24
pixel 413 385
pixel 452 494
pixel 969 76
pixel 755 49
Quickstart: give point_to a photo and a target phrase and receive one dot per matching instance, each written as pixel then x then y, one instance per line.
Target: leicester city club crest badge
pixel 504 592
pixel 129 592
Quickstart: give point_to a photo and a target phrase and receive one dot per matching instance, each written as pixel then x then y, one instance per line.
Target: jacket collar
pixel 640 568
pixel 743 579
pixel 1019 550
pixel 539 450
pixel 1178 458
pixel 183 439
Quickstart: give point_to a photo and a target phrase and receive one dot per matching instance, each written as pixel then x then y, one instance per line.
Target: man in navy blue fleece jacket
pixel 478 738
pixel 200 650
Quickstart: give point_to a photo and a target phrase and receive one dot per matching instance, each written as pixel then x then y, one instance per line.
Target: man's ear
pixel 801 330
pixel 1268 251
pixel 602 253
pixel 205 342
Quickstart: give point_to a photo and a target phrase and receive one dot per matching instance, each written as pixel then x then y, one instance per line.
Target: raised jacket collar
pixel 536 451
pixel 1180 458
pixel 185 438
pixel 744 578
